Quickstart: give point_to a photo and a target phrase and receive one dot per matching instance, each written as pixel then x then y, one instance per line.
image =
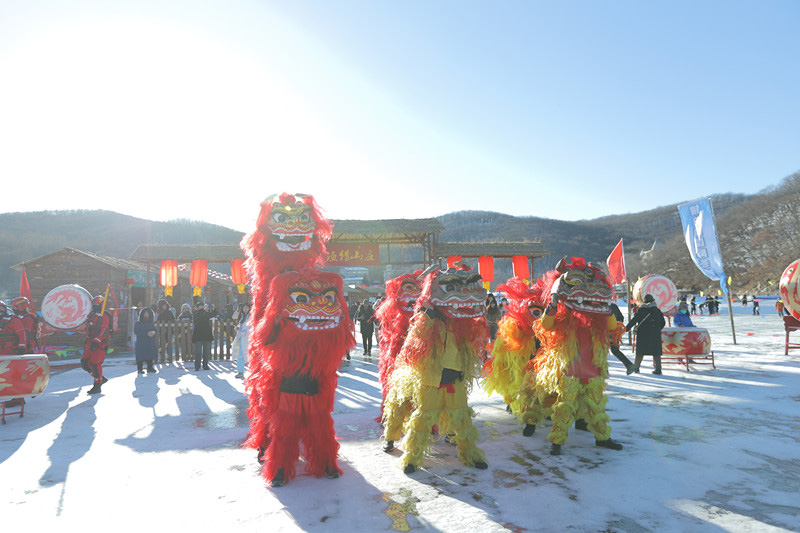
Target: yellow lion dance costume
pixel 435 369
pixel 568 378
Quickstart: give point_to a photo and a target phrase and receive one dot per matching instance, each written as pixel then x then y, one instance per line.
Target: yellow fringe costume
pixel 417 399
pixel 549 390
pixel 505 370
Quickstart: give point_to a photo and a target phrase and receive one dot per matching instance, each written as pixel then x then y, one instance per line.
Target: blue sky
pixel 395 109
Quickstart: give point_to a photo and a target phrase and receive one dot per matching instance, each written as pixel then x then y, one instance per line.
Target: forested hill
pixel 29 235
pixel 759 236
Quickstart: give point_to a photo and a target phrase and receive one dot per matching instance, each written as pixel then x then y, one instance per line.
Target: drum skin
pixel 662 289
pixel 790 292
pixel 66 307
pixel 685 341
pixel 23 376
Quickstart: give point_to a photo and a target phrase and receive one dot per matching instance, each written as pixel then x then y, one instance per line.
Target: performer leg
pixel 283 449
pixel 418 428
pixel 457 418
pixel 321 448
pixel 629 367
pixel 564 409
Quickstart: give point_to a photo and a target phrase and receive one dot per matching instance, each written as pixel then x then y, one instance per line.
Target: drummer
pixel 30 321
pixel 12 333
pixel 682 318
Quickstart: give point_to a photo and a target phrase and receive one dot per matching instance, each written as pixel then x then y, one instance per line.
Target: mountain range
pixel 758 236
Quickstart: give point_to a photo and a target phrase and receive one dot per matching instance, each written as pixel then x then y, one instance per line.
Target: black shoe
pixel 152 370
pixel 555 449
pixel 450 438
pixel 608 443
pixel 529 430
pixel 581 425
pixel 278 480
pixel 657 372
pixel 141 371
pixel 331 473
pixel 348 356
pixel 409 469
pixel 480 465
pixel 260 456
pixel 508 408
pixel 388 446
pixel 630 370
pixel 206 368
pixel 95 389
pixel 636 370
pixel 105 379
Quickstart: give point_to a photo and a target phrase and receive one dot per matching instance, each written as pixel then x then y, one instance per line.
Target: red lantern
pixel 169 275
pixel 452 260
pixel 198 276
pixel 238 274
pixel 486 269
pixel 520 265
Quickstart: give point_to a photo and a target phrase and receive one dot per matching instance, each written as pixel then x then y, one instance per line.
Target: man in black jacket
pixel 650 322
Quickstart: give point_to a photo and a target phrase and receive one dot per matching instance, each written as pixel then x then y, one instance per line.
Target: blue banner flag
pixel 700 233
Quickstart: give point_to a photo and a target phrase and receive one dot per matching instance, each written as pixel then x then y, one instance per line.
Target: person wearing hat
pixel 682 318
pixel 202 335
pixel 650 322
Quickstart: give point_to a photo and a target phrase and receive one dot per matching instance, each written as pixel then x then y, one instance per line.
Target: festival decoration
pixel 520 267
pixel 66 307
pixel 198 276
pixel 790 288
pixel 662 289
pixel 436 367
pixel 685 341
pixel 452 260
pixel 238 274
pixel 169 275
pixel 567 380
pixel 486 269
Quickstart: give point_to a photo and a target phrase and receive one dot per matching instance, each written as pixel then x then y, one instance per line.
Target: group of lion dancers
pixel 549 359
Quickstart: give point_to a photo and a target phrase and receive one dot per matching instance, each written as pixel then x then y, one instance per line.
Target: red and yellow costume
pixel 568 378
pixel 30 321
pixel 12 333
pixel 516 343
pixel 435 369
pixel 304 333
pixel 394 315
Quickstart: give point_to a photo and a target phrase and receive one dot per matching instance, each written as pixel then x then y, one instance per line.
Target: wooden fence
pixel 175 340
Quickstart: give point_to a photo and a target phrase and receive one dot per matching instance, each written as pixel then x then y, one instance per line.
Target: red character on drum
pixel 12 333
pixel 98 332
pixel 30 321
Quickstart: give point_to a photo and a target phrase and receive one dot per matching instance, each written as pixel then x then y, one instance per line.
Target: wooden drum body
pixel 23 376
pixel 685 341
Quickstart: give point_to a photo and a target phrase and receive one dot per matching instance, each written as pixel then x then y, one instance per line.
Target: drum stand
pixel 16 402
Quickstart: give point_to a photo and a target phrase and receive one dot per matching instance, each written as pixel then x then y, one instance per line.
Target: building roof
pixel 113 262
pixel 183 253
pixel 492 249
pixel 390 231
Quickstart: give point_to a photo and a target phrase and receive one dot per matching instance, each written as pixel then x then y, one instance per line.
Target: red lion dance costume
pixel 394 316
pixel 304 333
pixel 568 378
pixel 435 369
pixel 516 342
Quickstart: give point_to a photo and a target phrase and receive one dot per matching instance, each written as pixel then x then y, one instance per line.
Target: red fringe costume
pixel 394 316
pixel 304 333
pixel 290 234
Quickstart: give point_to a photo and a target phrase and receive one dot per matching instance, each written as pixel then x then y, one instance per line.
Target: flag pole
pixel 730 309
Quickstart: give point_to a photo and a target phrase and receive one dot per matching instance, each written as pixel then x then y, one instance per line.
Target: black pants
pixel 656 361
pixel 366 340
pixel 621 356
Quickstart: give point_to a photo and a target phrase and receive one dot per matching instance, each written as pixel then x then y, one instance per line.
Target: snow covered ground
pixel 706 450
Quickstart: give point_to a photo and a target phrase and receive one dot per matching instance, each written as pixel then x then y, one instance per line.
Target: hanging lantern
pixel 520 265
pixel 486 270
pixel 198 276
pixel 169 275
pixel 238 274
pixel 452 260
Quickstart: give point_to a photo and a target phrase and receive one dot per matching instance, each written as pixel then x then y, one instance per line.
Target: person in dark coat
pixel 366 323
pixel 650 322
pixel 146 350
pixel 614 344
pixel 202 335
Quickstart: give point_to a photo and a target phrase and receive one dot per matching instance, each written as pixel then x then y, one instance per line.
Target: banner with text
pixel 361 254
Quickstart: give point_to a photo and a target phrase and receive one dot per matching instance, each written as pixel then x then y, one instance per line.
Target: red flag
pixel 616 264
pixel 24 288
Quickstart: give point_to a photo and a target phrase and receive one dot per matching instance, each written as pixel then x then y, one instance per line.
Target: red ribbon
pixel 449 388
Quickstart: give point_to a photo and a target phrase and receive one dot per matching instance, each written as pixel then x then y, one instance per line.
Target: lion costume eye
pixel 299 297
pixel 280 218
pixel 330 296
pixel 305 217
pixel 536 311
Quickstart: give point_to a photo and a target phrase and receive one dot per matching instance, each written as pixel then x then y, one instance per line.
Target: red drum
pixel 685 341
pixel 23 376
pixel 790 290
pixel 67 307
pixel 662 289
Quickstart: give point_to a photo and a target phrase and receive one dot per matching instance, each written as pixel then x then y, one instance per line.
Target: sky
pixel 564 110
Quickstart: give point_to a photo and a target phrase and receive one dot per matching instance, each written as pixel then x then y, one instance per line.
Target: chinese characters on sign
pixel 352 255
